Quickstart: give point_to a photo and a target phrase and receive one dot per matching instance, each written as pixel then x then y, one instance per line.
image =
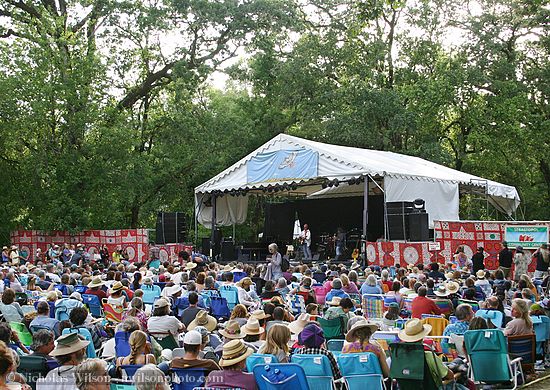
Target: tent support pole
pixel 234 240
pixel 213 233
pixel 365 209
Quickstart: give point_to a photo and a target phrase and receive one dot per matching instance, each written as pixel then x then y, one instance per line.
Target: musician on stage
pixel 274 271
pixel 340 242
pixel 305 240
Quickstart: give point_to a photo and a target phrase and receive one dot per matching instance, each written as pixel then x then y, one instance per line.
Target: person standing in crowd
pixel 505 259
pixel 521 263
pixel 478 259
pixel 305 240
pixel 542 256
pixel 340 242
pixel 154 256
pixel 273 270
pixel 460 258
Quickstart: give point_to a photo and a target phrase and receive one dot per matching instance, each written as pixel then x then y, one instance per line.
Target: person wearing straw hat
pixel 299 323
pixel 483 283
pixel 253 332
pixel 413 332
pixel 358 338
pixel 233 363
pixel 161 321
pixel 203 319
pixel 441 291
pixel 192 344
pixel 70 351
pixel 94 288
pixel 117 297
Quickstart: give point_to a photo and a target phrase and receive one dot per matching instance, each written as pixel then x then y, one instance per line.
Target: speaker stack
pixel 407 221
pixel 171 228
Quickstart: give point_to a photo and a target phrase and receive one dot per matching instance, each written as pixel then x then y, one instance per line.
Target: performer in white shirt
pixel 305 240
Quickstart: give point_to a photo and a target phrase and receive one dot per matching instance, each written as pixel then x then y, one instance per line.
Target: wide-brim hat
pixel 117 286
pixel 252 327
pixel 96 282
pixel 67 344
pixel 190 266
pixel 414 330
pixel 450 275
pixel 259 314
pixel 173 290
pixel 234 352
pixel 480 274
pixel 335 301
pixel 203 319
pixel 355 265
pixel 361 324
pixel 299 323
pixel 441 291
pixel 232 330
pixel 148 281
pixel 452 287
pixel 228 268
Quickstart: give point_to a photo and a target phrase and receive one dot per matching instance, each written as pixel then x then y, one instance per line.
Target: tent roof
pixel 344 163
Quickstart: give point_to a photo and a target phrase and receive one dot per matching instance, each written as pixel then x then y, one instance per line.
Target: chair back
pixel 409 367
pixel 231 294
pixel 458 341
pixel 113 313
pixel 541 325
pixel 495 316
pixel 280 376
pixel 333 328
pixel 63 288
pixel 188 378
pixel 473 304
pixel 80 289
pixel 259 358
pixel 335 346
pixel 33 368
pixel 488 355
pixel 523 346
pixel 389 299
pixel 318 370
pixel 219 307
pixel 129 370
pixel 238 276
pixel 150 292
pixel 373 306
pixel 361 370
pixel 444 305
pixel 320 293
pixel 181 304
pixel 296 303
pixel 36 328
pixel 166 340
pixel 92 301
pixel 24 335
pixel 207 295
pixel 122 386
pixel 438 325
pixel 122 344
pixel 22 298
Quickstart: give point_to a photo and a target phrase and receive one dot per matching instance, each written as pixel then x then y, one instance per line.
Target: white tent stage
pixel 288 165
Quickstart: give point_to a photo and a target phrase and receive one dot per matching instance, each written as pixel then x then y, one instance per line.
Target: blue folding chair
pixel 188 378
pixel 122 344
pixel 128 371
pixel 122 386
pixel 63 288
pixel 280 376
pixel 335 346
pixel 495 316
pixel 259 358
pixel 231 294
pixel 389 299
pixel 238 276
pixel 150 293
pixel 361 370
pixel 541 324
pixel 318 370
pixel 181 304
pixel 219 307
pixel 92 301
pixel 80 289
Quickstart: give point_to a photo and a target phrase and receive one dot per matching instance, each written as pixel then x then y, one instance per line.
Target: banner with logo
pixel 283 165
pixel 529 237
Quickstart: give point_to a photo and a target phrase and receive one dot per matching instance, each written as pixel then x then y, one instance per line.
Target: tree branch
pixel 29 9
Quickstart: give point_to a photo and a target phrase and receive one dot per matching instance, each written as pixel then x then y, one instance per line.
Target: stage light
pixel 324 185
pixel 294 187
pixel 336 183
pixel 419 205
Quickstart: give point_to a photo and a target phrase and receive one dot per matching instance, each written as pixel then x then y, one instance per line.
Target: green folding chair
pixel 24 335
pixel 165 340
pixel 332 329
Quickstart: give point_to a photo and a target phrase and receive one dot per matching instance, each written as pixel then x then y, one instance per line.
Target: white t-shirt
pixel 61 378
pixel 164 324
pixel 306 235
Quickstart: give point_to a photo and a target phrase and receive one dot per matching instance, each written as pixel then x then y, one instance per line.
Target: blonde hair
pixel 239 311
pixel 345 280
pixel 90 372
pixel 523 309
pixel 137 341
pixel 528 281
pixel 277 339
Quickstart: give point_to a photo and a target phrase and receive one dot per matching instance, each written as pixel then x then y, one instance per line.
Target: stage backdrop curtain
pixel 441 197
pixel 229 210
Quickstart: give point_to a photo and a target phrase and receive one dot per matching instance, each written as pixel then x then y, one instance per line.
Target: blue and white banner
pixel 283 165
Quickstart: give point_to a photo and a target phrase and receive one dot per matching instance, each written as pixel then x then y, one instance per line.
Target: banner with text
pixel 529 237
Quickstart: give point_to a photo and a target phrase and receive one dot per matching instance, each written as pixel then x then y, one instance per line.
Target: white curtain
pixel 229 210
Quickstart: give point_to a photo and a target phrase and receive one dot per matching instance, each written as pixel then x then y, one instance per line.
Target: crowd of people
pixel 161 316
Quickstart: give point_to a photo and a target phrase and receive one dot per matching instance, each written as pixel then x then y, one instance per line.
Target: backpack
pixel 285 264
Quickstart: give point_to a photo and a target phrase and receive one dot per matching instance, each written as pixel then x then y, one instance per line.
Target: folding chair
pixel 473 304
pixel 318 370
pixel 445 305
pixel 165 340
pixel 150 293
pixel 22 332
pixel 259 358
pixel 129 370
pixel 122 344
pixel 335 346
pixel 188 378
pixel 63 288
pixel 80 289
pixel 541 325
pixel 122 386
pixel 320 293
pixel 489 360
pixel 280 376
pixel 207 296
pixel 113 313
pixel 523 347
pixel 332 329
pixel 219 307
pixel 296 303
pixel 33 368
pixel 496 317
pixel 94 305
pixel 361 370
pixel 238 276
pixel 410 368
pixel 373 305
pixel 231 294
pixel 438 325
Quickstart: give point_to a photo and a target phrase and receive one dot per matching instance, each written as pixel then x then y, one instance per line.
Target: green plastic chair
pixel 490 363
pixel 332 329
pixel 165 340
pixel 24 335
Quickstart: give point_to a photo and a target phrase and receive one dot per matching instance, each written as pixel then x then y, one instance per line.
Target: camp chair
pixel 188 378
pixel 33 368
pixel 335 346
pixel 332 329
pixel 320 293
pixel 63 288
pixel 22 332
pixel 80 289
pixel 129 370
pixel 94 305
pixel 473 304
pixel 318 370
pixel 389 299
pixel 458 341
pixel 361 370
pixel 231 294
pixel 122 344
pixel 219 307
pixel 150 292
pixel 122 386
pixel 165 340
pixel 296 303
pixel 259 358
pixel 410 368
pixel 489 360
pixel 445 305
pixel 407 304
pixel 523 347
pixel 160 284
pixel 541 325
pixel 280 376
pixel 181 304
pixel 36 328
pixel 373 306
pixel 238 276
pixel 113 313
pixel 438 325
pixel 495 316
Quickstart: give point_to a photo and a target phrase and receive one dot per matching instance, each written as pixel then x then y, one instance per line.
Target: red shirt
pixel 99 292
pixel 423 305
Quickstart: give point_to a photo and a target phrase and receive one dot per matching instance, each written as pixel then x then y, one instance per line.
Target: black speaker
pixel 397 227
pixel 228 251
pixel 205 246
pixel 399 207
pixel 171 228
pixel 216 245
pixel 418 227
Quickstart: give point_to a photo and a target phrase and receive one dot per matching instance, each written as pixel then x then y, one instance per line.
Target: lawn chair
pixel 238 276
pixel 80 289
pixel 129 370
pixel 495 316
pixel 122 386
pixel 231 294
pixel 361 370
pixel 474 304
pixel 438 325
pixel 188 378
pixel 122 344
pixel 259 358
pixel 541 325
pixel 320 293
pixel 113 313
pixel 335 346
pixel 523 347
pixel 219 307
pixel 489 360
pixel 63 288
pixel 445 305
pixel 373 306
pixel 22 332
pixel 165 340
pixel 280 376
pixel 410 368
pixel 150 292
pixel 296 303
pixel 318 370
pixel 93 304
pixel 332 329
pixel 33 368
pixel 207 296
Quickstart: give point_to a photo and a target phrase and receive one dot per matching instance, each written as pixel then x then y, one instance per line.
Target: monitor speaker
pixel 397 227
pixel 171 228
pixel 418 227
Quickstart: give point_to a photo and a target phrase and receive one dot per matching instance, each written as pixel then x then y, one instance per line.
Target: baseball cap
pixel 192 338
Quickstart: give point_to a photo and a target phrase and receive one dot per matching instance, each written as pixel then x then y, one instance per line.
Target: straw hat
pixel 96 282
pixel 414 330
pixel 361 324
pixel 117 286
pixel 452 287
pixel 355 265
pixel 234 352
pixel 228 268
pixel 190 266
pixel 299 323
pixel 441 291
pixel 335 301
pixel 148 281
pixel 480 274
pixel 259 314
pixel 232 330
pixel 68 343
pixel 450 275
pixel 252 327
pixel 161 302
pixel 203 319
